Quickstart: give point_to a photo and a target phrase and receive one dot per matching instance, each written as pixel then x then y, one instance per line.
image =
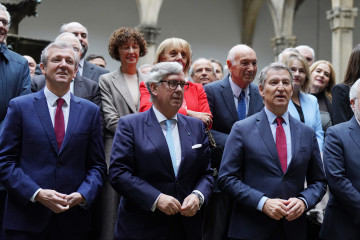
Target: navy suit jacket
pixel 83 87
pixel 141 169
pixel 30 159
pixel 250 169
pixel 93 71
pixel 342 166
pixel 223 109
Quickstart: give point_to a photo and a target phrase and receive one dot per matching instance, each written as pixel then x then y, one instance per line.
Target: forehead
pixel 58 52
pixel 179 77
pixel 324 67
pixel 3 15
pixel 305 51
pixel 278 74
pixel 75 28
pixel 202 64
pixel 297 63
pixel 245 54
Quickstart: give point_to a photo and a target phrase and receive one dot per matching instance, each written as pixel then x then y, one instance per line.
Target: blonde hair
pixel 290 60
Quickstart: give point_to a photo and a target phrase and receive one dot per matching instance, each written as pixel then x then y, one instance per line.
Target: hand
pixel 205 117
pixel 295 208
pixel 53 200
pixel 168 204
pixel 275 208
pixel 190 205
pixel 74 199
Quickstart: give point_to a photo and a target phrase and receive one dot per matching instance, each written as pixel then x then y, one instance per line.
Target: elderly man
pixel 307 52
pixel 341 160
pixel 266 159
pixel 160 164
pixel 202 71
pixel 51 156
pixel 231 99
pixel 80 86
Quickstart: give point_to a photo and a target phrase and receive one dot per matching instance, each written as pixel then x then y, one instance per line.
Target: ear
pixel 42 68
pixel 153 88
pixel 261 91
pixel 352 102
pixel 75 72
pixel 229 64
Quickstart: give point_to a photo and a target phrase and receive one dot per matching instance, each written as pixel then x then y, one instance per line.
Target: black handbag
pixel 216 152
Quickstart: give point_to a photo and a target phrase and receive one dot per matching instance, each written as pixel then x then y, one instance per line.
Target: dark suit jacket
pixel 30 159
pixel 250 169
pixel 83 87
pixel 341 109
pixel 342 166
pixel 222 107
pixel 141 169
pixel 93 71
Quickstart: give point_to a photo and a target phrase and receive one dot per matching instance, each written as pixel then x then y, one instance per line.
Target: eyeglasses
pixel 5 22
pixel 173 84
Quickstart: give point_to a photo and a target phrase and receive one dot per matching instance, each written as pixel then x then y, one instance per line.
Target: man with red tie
pixel 51 156
pixel 266 160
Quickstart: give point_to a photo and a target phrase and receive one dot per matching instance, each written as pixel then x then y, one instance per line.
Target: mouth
pixel 319 81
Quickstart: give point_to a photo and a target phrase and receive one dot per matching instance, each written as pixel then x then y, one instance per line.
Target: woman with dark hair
pixel 341 109
pixel 322 76
pixel 120 96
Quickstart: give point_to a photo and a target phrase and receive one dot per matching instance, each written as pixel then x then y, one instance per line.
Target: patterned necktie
pixel 59 125
pixel 281 143
pixel 241 105
pixel 171 145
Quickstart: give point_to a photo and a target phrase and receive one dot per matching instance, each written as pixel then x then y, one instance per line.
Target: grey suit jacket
pixel 92 71
pixel 116 99
pixel 83 87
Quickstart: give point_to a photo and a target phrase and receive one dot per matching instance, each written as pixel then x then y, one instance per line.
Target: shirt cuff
pixel 303 199
pixel 154 205
pixel 32 199
pixel 261 203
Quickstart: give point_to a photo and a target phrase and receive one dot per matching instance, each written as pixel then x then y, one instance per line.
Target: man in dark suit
pixel 80 86
pixel 224 97
pixel 51 156
pixel 86 69
pixel 266 160
pixel 341 160
pixel 160 164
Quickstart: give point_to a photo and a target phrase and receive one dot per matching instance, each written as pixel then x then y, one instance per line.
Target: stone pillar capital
pixel 279 43
pixel 342 17
pixel 150 32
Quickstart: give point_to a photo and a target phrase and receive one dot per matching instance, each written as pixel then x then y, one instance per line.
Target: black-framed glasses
pixel 173 84
pixel 5 22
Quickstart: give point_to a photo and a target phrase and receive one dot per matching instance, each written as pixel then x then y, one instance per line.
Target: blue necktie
pixel 241 105
pixel 171 145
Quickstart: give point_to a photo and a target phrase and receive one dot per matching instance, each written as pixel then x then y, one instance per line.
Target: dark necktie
pixel 281 143
pixel 241 105
pixel 59 125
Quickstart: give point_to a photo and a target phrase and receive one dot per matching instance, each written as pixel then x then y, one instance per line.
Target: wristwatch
pixel 201 200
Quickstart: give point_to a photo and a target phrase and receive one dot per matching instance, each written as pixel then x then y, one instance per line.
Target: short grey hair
pixel 285 53
pixel 275 66
pixel 60 45
pixel 3 8
pixel 354 90
pixel 65 34
pixel 63 27
pixel 301 47
pixel 160 71
pixel 191 71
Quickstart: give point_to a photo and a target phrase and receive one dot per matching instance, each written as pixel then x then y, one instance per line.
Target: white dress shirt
pixel 236 93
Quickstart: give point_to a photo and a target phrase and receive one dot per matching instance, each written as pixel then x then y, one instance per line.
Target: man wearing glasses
pixel 160 164
pixel 14 81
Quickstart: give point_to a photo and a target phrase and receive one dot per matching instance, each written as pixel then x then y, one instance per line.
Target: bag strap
pixel 211 138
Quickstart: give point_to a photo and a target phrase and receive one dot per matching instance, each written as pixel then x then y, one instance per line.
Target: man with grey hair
pixel 266 159
pixel 286 53
pixel 202 71
pixel 51 156
pixel 160 164
pixel 307 52
pixel 14 81
pixel 341 160
pixel 231 99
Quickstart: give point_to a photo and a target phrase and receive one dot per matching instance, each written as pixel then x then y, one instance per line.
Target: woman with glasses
pixel 195 102
pixel 119 97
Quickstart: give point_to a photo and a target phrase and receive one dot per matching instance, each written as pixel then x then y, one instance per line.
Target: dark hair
pixel 353 68
pixel 93 56
pixel 122 36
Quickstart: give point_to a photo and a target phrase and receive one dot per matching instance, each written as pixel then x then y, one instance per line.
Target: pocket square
pixel 196 146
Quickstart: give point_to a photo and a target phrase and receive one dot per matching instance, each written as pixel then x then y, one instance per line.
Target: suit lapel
pixel 254 96
pixel 157 138
pixel 78 85
pixel 121 85
pixel 228 98
pixel 295 138
pixel 88 70
pixel 262 124
pixel 354 130
pixel 74 113
pixel 42 111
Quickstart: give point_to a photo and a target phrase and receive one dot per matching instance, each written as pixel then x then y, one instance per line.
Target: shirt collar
pixel 52 98
pixel 236 89
pixel 271 116
pixel 160 117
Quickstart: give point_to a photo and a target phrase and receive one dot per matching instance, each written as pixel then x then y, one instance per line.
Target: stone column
pixel 279 43
pixel 149 13
pixel 342 18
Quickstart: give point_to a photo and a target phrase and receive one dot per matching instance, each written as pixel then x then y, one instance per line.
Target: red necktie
pixel 59 125
pixel 281 143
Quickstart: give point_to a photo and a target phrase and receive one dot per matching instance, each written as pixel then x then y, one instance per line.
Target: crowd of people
pixel 90 154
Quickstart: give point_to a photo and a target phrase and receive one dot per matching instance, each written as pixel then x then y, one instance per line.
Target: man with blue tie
pixel 231 99
pixel 51 156
pixel 266 160
pixel 160 164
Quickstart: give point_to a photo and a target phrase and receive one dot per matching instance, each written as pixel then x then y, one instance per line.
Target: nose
pixel 178 56
pixel 321 74
pixel 131 49
pixel 251 68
